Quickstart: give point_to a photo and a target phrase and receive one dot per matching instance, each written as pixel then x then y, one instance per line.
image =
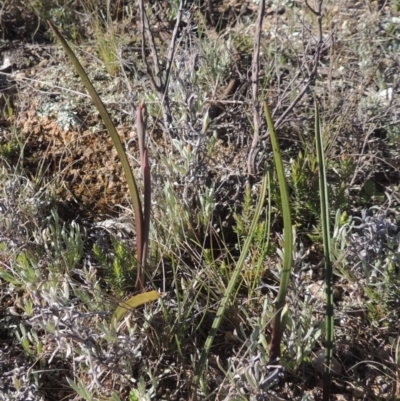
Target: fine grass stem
pixel 327 255
pixel 229 291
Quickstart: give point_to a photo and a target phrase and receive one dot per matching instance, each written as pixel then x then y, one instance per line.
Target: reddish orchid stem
pixel 143 239
pixel 146 214
pixel 141 128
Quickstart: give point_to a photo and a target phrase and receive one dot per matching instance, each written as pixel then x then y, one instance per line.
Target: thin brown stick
pixel 156 81
pixel 160 81
pixel 255 67
pixel 217 107
pixel 283 118
pixel 172 45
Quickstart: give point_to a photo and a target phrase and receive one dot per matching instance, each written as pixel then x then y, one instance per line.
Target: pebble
pixel 318 362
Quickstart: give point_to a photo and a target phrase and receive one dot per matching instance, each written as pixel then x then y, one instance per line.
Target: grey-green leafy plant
pixel 65 243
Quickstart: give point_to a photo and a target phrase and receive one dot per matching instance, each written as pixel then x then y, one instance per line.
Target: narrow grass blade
pixel 267 235
pixel 137 207
pixel 278 324
pixel 323 188
pixel 134 302
pixel 229 290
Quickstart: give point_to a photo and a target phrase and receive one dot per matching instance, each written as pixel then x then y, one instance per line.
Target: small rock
pixel 20 76
pixel 318 362
pixel 43 63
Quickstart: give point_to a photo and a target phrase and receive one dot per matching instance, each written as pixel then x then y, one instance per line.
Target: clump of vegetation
pixel 241 249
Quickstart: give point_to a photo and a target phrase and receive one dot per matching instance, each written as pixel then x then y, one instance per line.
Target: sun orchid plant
pixel 142 216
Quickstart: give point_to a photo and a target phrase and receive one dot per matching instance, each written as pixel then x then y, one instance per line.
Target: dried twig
pixel 282 119
pixel 155 80
pixel 255 66
pixel 217 107
pixel 172 45
pixel 158 79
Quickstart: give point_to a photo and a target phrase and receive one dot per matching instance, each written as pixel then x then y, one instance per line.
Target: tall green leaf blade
pixel 116 140
pixel 323 188
pixel 278 325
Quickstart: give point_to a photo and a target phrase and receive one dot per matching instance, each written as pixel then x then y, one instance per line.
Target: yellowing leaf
pixel 134 302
